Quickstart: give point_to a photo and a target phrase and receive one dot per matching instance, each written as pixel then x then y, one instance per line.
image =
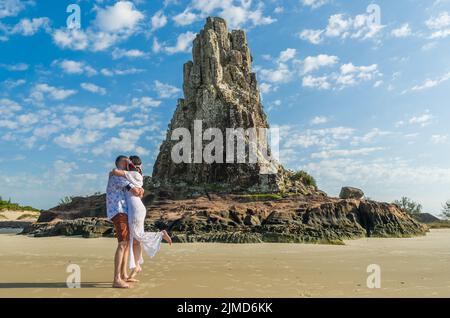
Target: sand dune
pixel 415 267
pixel 19 215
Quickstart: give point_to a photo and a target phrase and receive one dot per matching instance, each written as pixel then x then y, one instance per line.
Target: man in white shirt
pixel 116 209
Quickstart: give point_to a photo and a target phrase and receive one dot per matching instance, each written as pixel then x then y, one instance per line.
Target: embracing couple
pixel 127 212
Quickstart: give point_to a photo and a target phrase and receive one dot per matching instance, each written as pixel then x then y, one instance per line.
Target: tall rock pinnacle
pixel 221 90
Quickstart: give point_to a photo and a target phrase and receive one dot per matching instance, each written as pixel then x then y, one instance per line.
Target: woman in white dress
pixel 150 241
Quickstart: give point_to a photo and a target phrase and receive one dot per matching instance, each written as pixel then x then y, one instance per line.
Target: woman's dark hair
pixel 136 164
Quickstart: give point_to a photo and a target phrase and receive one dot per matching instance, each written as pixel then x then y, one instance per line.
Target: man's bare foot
pixel 166 237
pixel 120 284
pixel 132 280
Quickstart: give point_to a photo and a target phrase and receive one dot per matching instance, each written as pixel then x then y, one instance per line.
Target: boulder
pixel 351 193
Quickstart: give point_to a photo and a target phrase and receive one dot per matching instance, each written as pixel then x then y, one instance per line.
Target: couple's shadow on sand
pixel 54 285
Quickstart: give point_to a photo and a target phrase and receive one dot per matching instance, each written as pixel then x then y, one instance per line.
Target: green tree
pixel 446 210
pixel 409 206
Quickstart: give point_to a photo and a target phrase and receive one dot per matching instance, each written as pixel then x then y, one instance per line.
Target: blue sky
pixel 360 101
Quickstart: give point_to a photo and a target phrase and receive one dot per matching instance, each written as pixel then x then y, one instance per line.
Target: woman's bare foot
pixel 166 237
pixel 120 284
pixel 133 274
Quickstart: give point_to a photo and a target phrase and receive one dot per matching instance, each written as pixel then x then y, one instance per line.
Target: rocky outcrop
pixel 351 193
pixel 14 224
pixel 221 91
pixel 426 218
pixel 250 219
pixel 79 207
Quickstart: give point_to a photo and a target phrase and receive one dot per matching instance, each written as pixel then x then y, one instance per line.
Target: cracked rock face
pixel 221 90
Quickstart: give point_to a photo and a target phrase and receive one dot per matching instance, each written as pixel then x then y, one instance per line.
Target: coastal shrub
pixel 305 178
pixel 65 200
pixel 8 205
pixel 446 210
pixel 408 205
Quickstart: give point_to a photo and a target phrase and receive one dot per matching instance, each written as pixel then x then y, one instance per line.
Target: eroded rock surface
pixel 250 219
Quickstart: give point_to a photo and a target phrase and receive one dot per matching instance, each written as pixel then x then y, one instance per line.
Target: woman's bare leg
pixel 137 251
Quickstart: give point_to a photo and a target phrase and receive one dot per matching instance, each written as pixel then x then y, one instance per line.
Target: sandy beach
pixel 415 267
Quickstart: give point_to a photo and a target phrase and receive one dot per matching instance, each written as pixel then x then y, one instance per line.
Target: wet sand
pixel 415 267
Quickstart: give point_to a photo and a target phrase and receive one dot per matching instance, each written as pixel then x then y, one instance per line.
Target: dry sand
pixel 15 215
pixel 416 267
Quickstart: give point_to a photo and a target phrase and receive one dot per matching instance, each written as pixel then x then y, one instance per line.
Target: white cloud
pixel 78 139
pixel 156 46
pixel 145 102
pixel 111 25
pixel 281 74
pixel 185 18
pixel 19 67
pixel 313 36
pixel 278 10
pixel 402 32
pixel 321 82
pixel 93 88
pixel 95 119
pixel 325 138
pixel 158 21
pixel 236 13
pixel 370 136
pixel 27 119
pixel 75 67
pixel 121 17
pixel 128 71
pixel 119 53
pixel 314 4
pixel 27 27
pixel 8 107
pixel 429 83
pixel 318 120
pixel 11 8
pixel 287 55
pixel 9 83
pixel 183 45
pixel 327 154
pixel 439 139
pixel 361 26
pixel 312 63
pixel 439 22
pixel 349 75
pixel 352 75
pixel 165 90
pixel 73 39
pixel 439 25
pixel 126 141
pixel 265 88
pixel 422 120
pixel 40 90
